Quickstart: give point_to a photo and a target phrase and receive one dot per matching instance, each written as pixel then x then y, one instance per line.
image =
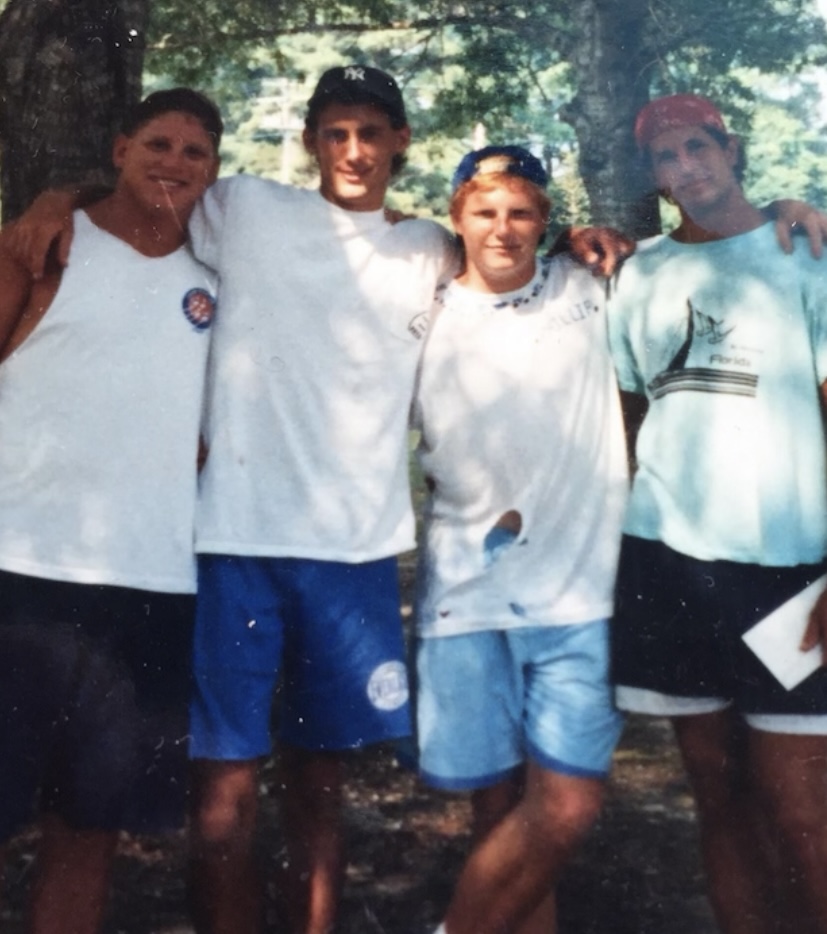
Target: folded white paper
pixel 776 638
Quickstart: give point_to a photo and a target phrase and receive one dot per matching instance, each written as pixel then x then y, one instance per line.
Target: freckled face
pixel 501 230
pixel 354 145
pixel 167 163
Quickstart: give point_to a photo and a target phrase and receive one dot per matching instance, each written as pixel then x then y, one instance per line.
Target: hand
pixel 816 631
pixel 48 221
pixel 793 216
pixel 600 249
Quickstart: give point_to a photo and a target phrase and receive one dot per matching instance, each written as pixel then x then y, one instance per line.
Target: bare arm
pixel 634 406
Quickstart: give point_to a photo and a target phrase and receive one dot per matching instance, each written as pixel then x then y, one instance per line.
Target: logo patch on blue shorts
pixel 199 307
pixel 388 686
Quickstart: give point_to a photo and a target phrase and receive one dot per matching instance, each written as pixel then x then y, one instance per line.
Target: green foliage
pixel 502 65
pixel 786 154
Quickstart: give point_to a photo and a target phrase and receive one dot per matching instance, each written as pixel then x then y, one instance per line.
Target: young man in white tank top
pixel 102 367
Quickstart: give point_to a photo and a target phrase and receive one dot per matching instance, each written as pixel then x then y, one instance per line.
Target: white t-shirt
pixel 520 420
pixel 99 416
pixel 728 341
pixel 312 372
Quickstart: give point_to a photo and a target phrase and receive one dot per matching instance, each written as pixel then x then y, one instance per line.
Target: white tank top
pixel 100 410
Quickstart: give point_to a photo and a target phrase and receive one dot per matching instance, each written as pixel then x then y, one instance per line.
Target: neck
pixel 479 280
pixel 358 205
pixel 152 233
pixel 734 218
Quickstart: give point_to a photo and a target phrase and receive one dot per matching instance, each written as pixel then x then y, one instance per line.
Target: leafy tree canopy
pixel 563 78
pixel 557 76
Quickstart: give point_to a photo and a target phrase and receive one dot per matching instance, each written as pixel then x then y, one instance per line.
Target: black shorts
pixel 678 625
pixel 95 683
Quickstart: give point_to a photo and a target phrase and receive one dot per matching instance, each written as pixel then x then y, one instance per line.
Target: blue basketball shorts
pixel 326 635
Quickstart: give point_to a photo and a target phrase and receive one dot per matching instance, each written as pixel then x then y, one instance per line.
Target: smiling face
pixel 355 147
pixel 166 165
pixel 501 223
pixel 695 170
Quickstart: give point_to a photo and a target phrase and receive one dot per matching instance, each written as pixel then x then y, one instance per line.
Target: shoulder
pixel 251 189
pixel 245 207
pixel 640 268
pixel 563 273
pixel 802 272
pixel 800 259
pixel 424 235
pixel 649 251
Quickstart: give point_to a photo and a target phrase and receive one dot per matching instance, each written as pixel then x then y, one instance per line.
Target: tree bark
pixel 69 69
pixel 612 71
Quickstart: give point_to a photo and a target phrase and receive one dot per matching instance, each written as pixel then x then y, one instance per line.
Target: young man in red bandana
pixel 720 341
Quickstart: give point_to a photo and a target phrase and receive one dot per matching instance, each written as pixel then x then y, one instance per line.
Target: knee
pixel 223 812
pixel 799 818
pixel 567 815
pixel 218 823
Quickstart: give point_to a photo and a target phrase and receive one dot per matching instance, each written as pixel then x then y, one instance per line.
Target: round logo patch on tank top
pixel 388 686
pixel 199 308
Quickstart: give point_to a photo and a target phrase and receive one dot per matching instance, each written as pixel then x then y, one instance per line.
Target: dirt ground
pixel 638 874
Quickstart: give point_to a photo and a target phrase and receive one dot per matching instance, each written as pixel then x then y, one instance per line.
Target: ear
pixel 309 140
pixel 456 223
pixel 119 148
pixel 403 137
pixel 733 147
pixel 212 175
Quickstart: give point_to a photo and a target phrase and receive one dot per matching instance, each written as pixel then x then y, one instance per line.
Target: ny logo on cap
pixel 354 74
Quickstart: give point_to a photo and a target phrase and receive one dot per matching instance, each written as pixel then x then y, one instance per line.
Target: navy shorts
pixel 327 634
pixel 94 687
pixel 676 638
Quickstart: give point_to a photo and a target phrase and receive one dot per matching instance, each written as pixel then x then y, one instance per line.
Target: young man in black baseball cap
pixel 304 496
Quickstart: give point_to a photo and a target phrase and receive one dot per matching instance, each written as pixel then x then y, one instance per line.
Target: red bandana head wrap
pixel 667 113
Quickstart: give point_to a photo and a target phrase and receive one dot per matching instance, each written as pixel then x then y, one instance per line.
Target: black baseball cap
pixel 358 84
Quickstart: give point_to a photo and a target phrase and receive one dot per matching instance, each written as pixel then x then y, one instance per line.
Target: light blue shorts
pixel 489 700
pixel 328 634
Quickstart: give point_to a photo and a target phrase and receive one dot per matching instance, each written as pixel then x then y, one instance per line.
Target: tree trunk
pixel 68 71
pixel 612 71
